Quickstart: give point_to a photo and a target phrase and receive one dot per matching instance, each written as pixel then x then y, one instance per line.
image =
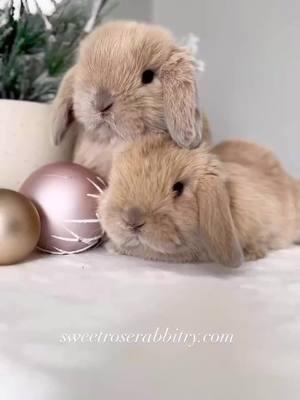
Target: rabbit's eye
pixel 147 76
pixel 178 188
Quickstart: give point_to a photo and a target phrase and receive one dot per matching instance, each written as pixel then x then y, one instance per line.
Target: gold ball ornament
pixel 20 227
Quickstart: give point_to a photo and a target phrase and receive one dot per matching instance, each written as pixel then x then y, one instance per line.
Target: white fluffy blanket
pixel 49 297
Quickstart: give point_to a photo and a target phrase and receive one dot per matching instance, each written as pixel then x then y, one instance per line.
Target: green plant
pixel 36 50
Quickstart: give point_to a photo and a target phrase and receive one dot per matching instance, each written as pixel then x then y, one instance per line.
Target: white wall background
pixel 252 53
pixel 141 10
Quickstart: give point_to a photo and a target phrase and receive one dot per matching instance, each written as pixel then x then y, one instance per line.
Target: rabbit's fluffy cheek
pixel 160 234
pixel 127 121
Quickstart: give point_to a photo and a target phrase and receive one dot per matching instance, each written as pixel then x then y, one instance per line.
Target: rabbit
pixel 227 204
pixel 130 79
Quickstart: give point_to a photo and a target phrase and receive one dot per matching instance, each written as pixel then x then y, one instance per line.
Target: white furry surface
pixel 96 291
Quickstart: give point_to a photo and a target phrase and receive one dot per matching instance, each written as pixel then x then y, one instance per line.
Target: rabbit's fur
pixel 104 93
pixel 237 202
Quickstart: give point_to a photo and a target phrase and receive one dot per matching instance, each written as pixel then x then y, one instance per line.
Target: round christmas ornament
pixel 66 196
pixel 19 227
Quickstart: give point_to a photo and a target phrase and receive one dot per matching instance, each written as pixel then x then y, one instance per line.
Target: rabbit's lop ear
pixel 178 77
pixel 216 224
pixel 62 107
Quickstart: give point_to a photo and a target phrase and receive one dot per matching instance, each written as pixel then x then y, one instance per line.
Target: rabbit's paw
pixel 111 248
pixel 254 252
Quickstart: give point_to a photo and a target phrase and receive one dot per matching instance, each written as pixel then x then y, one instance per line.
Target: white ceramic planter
pixel 25 143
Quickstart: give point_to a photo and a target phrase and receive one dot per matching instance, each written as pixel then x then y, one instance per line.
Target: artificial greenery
pixel 36 50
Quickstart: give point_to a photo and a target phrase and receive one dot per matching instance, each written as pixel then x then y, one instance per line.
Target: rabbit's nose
pixel 104 100
pixel 134 218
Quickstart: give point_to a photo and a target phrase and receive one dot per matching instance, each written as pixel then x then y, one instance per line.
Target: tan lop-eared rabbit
pixel 167 203
pixel 130 79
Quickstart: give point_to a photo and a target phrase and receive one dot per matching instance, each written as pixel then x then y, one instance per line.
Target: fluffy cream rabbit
pixel 130 79
pixel 167 203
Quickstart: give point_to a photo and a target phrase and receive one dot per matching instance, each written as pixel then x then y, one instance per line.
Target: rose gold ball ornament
pixel 66 196
pixel 20 227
